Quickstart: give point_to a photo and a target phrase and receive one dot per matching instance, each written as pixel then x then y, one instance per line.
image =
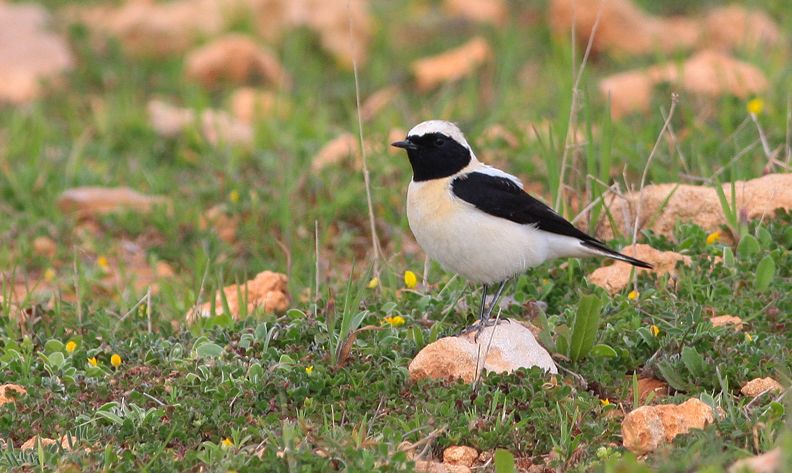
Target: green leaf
pixel 113 418
pixel 694 362
pixel 504 461
pixel 255 372
pixel 545 334
pixel 765 272
pixel 728 257
pixel 764 237
pixel 584 328
pixel 748 246
pixel 671 376
pixel 786 237
pixel 601 350
pixel 56 359
pixel 209 350
pixel 53 345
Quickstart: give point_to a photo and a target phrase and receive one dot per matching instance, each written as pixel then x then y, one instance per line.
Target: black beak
pixel 405 144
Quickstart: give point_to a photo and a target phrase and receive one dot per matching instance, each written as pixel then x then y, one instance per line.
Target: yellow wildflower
pixel 309 370
pixel 233 196
pixel 655 330
pixel 748 338
pixel 373 283
pixel 605 402
pixel 71 346
pixel 115 360
pixel 102 263
pixel 755 106
pixel 713 237
pixel 92 361
pixel 394 321
pixel 633 295
pixel 227 442
pixel 410 279
pixel 49 275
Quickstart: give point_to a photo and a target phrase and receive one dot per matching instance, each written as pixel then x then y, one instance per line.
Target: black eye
pixel 439 141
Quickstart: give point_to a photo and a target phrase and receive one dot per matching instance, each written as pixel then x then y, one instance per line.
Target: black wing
pixel 502 197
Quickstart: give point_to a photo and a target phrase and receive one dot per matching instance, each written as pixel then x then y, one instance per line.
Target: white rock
pixel 513 346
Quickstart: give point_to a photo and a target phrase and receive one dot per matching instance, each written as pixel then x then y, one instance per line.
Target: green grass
pixel 181 390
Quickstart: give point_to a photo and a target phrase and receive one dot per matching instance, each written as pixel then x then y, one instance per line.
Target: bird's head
pixel 436 149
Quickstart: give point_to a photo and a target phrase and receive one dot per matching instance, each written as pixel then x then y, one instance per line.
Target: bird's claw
pixel 479 327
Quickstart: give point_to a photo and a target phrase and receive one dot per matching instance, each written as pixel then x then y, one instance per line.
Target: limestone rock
pixel 146 28
pixel 615 277
pixel 92 201
pixel 44 246
pixel 45 442
pixel 222 222
pixel 495 12
pixel 344 28
pixel 625 29
pixel 735 26
pixel 268 290
pixel 6 389
pixel 758 386
pixel 334 152
pixel 234 58
pixel 513 346
pixel 248 105
pixel 216 126
pixel 768 462
pixel 460 455
pixel 648 427
pixel 708 73
pixel 647 386
pixel 724 320
pixel 451 65
pixel 28 52
pixel 666 204
pixel 424 466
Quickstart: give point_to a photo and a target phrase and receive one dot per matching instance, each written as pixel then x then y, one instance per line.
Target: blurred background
pixel 236 122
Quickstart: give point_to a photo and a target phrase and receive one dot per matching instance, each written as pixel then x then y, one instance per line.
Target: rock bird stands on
pixel 477 221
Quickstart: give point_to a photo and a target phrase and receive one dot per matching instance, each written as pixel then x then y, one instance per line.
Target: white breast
pixel 480 247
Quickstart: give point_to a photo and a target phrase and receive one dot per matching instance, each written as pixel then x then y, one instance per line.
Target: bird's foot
pixel 479 327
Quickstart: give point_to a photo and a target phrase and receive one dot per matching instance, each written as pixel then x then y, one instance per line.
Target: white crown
pixel 440 126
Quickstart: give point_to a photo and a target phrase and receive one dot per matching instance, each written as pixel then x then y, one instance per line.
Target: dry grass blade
pixel 375 246
pixel 571 132
pixel 346 347
pixel 674 100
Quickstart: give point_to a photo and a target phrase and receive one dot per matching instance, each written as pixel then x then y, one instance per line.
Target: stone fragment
pixel 513 346
pixel 451 65
pixel 6 391
pixel 768 462
pixel 29 53
pixel 268 291
pixel 664 205
pixel 460 455
pixel 757 386
pixel 724 320
pixel 234 58
pixel 647 427
pixel 94 201
pixel 616 276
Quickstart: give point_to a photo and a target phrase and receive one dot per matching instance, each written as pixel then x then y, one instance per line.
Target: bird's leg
pixel 484 320
pixel 481 310
pixel 483 302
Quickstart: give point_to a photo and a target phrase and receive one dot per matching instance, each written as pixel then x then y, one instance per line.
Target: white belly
pixel 480 247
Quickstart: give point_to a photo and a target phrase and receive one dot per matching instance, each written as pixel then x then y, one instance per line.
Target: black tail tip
pixel 640 264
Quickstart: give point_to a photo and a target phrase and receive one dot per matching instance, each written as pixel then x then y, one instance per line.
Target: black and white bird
pixel 477 221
